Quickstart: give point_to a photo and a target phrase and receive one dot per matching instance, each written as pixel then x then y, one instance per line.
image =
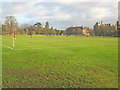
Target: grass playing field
pixel 60 61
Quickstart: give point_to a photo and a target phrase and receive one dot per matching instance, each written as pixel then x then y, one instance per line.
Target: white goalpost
pixel 13 42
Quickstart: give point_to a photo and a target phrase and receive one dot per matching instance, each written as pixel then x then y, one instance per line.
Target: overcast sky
pixel 62 14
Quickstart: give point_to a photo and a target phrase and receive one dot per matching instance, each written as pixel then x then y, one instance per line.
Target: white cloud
pixel 99 12
pixel 62 14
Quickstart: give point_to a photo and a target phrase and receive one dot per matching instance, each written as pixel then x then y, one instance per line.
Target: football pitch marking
pixel 6 46
pixel 26 48
pixel 23 48
pixel 31 48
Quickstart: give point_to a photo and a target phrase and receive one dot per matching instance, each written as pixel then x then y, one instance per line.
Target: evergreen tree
pixel 47 25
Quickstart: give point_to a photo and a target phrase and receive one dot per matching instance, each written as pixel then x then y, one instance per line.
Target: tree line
pixel 10 25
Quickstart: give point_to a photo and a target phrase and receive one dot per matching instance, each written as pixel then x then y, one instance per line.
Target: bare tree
pixel 11 24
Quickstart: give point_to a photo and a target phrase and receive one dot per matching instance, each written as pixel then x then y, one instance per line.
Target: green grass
pixel 60 62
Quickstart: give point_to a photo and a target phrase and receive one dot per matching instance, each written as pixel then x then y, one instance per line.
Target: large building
pixel 75 30
pixel 101 29
pixel 72 29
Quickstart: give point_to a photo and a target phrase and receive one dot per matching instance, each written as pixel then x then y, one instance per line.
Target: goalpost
pixel 13 42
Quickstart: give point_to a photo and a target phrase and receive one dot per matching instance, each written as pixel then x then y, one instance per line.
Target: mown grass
pixel 60 62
